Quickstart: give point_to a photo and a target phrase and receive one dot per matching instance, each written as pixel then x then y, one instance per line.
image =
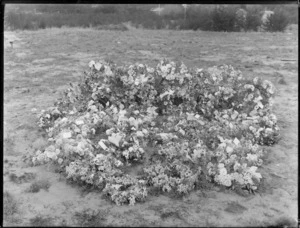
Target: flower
pixel 252 157
pixel 91 63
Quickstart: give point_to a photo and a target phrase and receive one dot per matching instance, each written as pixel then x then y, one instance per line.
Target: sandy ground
pixel 42 63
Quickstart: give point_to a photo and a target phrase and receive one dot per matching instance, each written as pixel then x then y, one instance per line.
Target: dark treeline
pixel 195 17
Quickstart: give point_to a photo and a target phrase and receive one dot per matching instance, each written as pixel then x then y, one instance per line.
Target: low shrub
pixel 185 127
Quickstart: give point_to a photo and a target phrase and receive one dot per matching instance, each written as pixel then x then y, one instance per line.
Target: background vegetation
pixel 196 17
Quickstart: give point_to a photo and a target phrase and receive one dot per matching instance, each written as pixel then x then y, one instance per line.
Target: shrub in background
pixel 253 21
pixel 276 22
pixel 223 19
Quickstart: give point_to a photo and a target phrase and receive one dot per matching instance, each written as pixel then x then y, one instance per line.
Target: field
pixel 42 63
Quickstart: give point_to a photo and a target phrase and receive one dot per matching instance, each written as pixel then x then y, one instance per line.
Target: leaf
pixel 115 139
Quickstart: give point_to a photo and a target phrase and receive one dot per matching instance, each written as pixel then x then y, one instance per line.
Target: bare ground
pixel 42 63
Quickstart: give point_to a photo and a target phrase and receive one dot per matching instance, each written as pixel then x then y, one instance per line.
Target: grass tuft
pixel 90 218
pixel 38 185
pixel 41 221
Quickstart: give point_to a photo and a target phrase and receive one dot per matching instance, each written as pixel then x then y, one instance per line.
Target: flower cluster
pixel 182 125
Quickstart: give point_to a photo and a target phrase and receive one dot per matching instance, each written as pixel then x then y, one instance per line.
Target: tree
pixel 276 22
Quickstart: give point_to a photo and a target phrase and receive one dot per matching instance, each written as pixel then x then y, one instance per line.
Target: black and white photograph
pixel 150 115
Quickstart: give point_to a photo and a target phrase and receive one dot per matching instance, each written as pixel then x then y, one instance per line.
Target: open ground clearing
pixel 42 63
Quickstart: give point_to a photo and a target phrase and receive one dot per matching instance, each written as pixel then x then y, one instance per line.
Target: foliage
pixel 201 17
pixel 253 20
pixel 224 19
pixel 182 125
pixel 276 22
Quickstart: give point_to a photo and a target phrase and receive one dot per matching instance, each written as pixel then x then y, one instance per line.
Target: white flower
pixel 91 63
pixel 229 149
pixel 236 141
pixel 236 166
pixel 98 66
pixel 60 160
pixel 224 179
pixel 223 171
pixel 51 155
pixel 255 80
pixel 67 135
pixel 103 146
pixel 252 157
pixel 182 131
pixel 252 171
pixel 237 177
pixel 79 122
pixel 108 71
pixel 145 131
pixel 139 134
pixel 118 163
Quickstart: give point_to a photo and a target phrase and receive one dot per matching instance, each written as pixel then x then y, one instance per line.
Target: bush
pixel 276 22
pixel 186 127
pixel 253 21
pixel 224 19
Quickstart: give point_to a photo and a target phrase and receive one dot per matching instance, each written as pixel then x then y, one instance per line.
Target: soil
pixel 42 63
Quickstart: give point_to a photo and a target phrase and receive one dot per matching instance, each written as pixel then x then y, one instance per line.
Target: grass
pixel 22 178
pixel 10 206
pixel 41 221
pixel 90 218
pixel 38 185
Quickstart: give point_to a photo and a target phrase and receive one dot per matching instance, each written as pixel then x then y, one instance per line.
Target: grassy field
pixel 42 63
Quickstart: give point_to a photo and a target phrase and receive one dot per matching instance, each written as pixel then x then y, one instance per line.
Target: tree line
pixel 230 18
